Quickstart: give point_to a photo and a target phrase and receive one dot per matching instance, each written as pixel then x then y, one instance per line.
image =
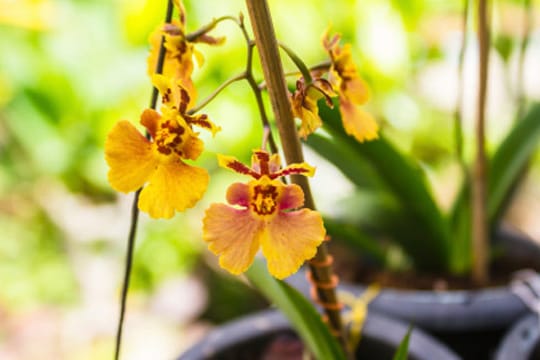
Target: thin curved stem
pixel 458 121
pixel 298 62
pixel 127 272
pixel 527 25
pixel 323 66
pixel 255 88
pixel 134 209
pixel 210 26
pixel 216 92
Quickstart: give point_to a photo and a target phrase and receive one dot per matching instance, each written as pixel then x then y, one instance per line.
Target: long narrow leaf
pixel 427 238
pixel 300 312
pixel 505 170
pixel 403 349
pixel 356 239
pixel 509 161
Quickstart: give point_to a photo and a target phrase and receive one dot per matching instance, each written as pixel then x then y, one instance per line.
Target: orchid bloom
pixel 304 104
pixel 134 160
pixel 352 90
pixel 176 98
pixel 264 214
pixel 178 62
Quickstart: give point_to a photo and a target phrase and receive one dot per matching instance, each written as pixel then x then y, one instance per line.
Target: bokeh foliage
pixel 70 69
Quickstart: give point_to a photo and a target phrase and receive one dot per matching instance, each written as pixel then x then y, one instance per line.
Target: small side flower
pixel 263 213
pixel 304 104
pixel 352 90
pixel 181 51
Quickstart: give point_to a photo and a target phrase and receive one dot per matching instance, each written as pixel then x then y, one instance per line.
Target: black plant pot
pixel 522 341
pixel 471 322
pixel 268 335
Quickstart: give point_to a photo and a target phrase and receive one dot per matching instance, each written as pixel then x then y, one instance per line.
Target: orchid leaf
pixel 509 161
pixel 403 349
pixel 423 232
pixel 300 312
pixel 506 169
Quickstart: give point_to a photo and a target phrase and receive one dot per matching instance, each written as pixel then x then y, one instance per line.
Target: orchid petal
pixel 173 186
pixel 130 157
pixel 357 122
pixel 290 239
pixel 233 235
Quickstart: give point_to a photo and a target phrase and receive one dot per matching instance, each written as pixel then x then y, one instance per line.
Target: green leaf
pixel 506 168
pixel 300 312
pixel 510 160
pixel 357 239
pixel 423 233
pixel 403 349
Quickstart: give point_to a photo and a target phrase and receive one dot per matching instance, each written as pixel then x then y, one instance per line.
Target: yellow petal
pixel 232 163
pixel 297 169
pixel 290 239
pixel 204 122
pixel 193 148
pixel 150 120
pixel 292 197
pixel 130 158
pixel 310 122
pixel 173 186
pixel 357 122
pixel 233 235
pixel 238 194
pixel 356 90
pixel 274 164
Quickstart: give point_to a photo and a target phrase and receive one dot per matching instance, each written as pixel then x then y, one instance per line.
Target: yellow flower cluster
pixel 159 159
pixel 343 80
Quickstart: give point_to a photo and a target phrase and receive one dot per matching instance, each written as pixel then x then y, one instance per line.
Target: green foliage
pixel 434 241
pixel 403 349
pixel 389 171
pixel 506 168
pixel 300 312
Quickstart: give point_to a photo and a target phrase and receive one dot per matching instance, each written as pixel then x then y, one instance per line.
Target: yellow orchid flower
pixel 178 62
pixel 352 90
pixel 263 216
pixel 304 104
pixel 134 161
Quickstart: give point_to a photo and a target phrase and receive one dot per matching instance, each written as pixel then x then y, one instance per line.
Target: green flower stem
pixel 255 88
pixel 458 121
pixel 135 209
pixel 527 25
pixel 209 27
pixel 127 272
pixel 298 62
pixel 268 50
pixel 479 201
pixel 216 92
pixel 323 66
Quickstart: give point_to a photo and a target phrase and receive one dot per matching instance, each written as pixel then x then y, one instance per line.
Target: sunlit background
pixel 70 69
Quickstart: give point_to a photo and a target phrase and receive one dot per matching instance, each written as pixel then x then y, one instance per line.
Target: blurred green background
pixel 70 69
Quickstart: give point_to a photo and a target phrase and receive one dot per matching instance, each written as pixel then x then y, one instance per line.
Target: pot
pixel 471 322
pixel 268 335
pixel 522 341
